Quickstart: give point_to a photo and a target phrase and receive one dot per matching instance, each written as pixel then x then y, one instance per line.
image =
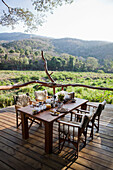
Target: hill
pixel 76 47
pixel 71 46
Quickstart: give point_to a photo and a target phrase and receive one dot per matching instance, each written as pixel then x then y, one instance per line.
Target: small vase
pixel 60 104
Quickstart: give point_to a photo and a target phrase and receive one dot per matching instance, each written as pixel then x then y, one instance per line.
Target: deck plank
pixel 16 153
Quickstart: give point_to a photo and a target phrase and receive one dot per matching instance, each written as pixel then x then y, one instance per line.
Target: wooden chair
pixel 97 110
pixel 74 132
pixel 22 101
pixel 41 96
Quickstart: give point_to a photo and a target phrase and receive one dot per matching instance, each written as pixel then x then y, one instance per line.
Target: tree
pixel 31 19
pixel 27 53
pixel 6 56
pixel 36 53
pixel 11 51
pixel 1 50
pixel 70 63
pixel 108 65
pixel 91 63
pixel 21 51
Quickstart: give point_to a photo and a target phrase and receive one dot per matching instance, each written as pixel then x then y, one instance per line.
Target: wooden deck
pixel 19 154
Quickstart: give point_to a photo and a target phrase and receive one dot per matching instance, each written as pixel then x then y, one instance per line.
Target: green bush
pixel 100 71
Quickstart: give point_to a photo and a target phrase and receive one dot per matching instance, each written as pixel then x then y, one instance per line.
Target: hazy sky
pixel 83 19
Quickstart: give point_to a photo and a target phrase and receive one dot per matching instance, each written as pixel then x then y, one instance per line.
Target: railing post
pixel 53 90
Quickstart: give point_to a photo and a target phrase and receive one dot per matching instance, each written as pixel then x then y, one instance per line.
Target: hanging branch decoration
pixel 46 69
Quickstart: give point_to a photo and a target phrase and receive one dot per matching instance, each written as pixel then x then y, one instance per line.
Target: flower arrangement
pixel 61 97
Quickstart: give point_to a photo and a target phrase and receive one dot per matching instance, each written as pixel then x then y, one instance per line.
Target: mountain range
pixel 76 47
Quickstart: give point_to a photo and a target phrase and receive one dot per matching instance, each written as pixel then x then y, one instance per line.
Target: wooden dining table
pixel 48 119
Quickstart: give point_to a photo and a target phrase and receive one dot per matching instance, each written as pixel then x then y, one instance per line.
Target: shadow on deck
pixel 16 153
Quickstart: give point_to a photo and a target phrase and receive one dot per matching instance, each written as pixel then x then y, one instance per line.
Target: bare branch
pixel 5 4
pixel 52 85
pixel 46 69
pixel 25 84
pixel 82 85
pixel 51 73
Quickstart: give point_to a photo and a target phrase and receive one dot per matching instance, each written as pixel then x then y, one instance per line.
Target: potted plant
pixel 60 97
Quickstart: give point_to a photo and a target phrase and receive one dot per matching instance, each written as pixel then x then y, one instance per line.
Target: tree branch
pixel 16 14
pixel 52 85
pixel 46 69
pixel 26 84
pixel 5 4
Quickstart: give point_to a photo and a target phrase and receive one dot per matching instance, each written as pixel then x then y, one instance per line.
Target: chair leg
pixel 98 123
pixel 17 123
pixel 64 139
pixel 60 148
pixel 77 150
pixel 85 137
pixel 17 119
pixel 91 135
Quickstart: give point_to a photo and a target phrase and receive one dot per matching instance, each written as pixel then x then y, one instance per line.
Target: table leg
pixel 48 137
pixel 25 131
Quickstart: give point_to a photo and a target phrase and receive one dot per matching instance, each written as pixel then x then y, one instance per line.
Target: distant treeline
pixel 27 61
pixel 24 55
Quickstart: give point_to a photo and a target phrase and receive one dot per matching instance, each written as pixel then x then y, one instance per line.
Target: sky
pixel 83 19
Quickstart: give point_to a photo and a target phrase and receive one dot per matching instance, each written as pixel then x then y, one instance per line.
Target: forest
pixel 26 55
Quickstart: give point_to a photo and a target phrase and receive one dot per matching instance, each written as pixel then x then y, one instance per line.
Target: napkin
pixel 62 109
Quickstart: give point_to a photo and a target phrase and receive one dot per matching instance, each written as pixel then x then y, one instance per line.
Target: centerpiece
pixel 60 99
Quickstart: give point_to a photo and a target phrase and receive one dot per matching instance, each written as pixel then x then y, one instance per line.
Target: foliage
pixel 89 78
pixel 29 17
pixel 26 54
pixel 1 50
pixel 11 51
pixel 60 97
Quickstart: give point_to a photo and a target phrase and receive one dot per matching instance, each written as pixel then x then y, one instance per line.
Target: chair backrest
pixel 41 95
pixel 22 100
pixel 99 109
pixel 84 122
pixel 104 103
pixel 67 95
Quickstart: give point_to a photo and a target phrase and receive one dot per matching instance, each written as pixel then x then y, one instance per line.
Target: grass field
pixel 89 78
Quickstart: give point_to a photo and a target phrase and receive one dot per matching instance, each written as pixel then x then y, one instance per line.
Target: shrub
pixel 100 71
pixel 11 51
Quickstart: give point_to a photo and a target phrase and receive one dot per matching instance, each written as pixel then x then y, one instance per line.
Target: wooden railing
pixel 52 85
